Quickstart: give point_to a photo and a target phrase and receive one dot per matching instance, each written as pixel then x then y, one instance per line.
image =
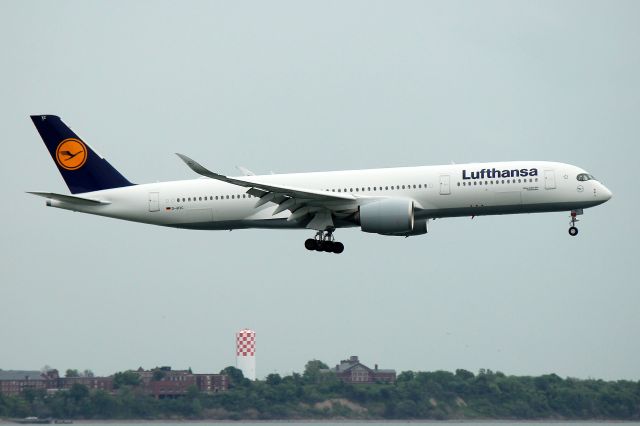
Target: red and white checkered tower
pixel 246 353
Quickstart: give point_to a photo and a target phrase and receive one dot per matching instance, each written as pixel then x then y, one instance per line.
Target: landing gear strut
pixel 324 241
pixel 573 230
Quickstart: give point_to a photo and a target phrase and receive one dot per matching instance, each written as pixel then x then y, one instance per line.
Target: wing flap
pixel 322 206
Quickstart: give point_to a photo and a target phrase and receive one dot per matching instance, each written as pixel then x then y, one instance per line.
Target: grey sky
pixel 302 86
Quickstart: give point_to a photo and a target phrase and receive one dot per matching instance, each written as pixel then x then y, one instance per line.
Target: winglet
pixel 245 171
pixel 195 166
pixel 202 170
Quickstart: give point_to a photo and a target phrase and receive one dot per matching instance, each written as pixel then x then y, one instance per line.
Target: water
pixel 334 423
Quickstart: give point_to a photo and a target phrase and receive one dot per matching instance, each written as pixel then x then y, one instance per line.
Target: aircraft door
pixel 154 201
pixel 444 185
pixel 549 179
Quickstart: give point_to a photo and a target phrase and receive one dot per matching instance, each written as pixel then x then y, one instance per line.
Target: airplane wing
pixel 302 202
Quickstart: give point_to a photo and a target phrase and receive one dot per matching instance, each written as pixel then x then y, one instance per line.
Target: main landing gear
pixel 573 230
pixel 324 241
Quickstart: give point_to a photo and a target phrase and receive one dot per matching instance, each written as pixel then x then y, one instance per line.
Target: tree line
pixel 314 394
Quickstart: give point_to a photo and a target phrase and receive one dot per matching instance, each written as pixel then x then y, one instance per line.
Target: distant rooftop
pixel 20 375
pixel 347 364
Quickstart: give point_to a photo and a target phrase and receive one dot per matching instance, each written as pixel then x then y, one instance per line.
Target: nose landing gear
pixel 573 230
pixel 324 241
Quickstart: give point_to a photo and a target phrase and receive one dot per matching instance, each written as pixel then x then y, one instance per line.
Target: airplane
pixel 391 201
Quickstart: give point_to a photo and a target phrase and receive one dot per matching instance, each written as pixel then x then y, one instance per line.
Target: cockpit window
pixel 582 177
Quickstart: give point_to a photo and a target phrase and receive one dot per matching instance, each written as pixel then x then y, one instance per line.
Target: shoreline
pixel 343 421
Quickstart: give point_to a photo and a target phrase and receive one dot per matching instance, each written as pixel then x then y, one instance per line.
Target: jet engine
pixel 391 217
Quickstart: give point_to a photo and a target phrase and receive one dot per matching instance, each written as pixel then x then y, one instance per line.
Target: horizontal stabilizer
pixel 71 199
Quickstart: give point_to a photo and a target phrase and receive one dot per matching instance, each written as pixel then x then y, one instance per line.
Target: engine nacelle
pixel 419 228
pixel 388 217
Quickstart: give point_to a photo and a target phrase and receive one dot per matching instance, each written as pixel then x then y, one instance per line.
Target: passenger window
pixel 178 200
pixel 420 186
pixel 458 183
pixel 339 190
pixel 357 189
pixel 475 183
pixel 402 186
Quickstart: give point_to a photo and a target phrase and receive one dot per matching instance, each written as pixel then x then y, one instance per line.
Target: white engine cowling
pixel 388 217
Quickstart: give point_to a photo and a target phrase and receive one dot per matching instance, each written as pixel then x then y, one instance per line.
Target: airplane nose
pixel 605 193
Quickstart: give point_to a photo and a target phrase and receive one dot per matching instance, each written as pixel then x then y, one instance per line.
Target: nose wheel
pixel 573 230
pixel 324 241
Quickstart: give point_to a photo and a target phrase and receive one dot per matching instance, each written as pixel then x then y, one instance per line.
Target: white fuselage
pixel 436 191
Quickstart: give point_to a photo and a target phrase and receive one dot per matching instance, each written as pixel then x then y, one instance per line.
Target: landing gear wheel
pixel 311 244
pixel 324 241
pixel 573 231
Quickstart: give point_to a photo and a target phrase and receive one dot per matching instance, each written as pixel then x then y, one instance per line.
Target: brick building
pixel 15 382
pixel 212 383
pixel 353 371
pixel 164 382
pixel 160 382
pixel 93 383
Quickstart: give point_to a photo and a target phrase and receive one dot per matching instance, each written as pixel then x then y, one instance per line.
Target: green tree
pixel 158 375
pixel 464 374
pixel 72 372
pixel 126 378
pixel 105 405
pixel 235 375
pixel 312 369
pixel 78 392
pixel 274 379
pixel 405 376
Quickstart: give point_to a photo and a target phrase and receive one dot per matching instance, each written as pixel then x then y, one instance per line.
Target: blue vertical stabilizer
pixel 81 168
